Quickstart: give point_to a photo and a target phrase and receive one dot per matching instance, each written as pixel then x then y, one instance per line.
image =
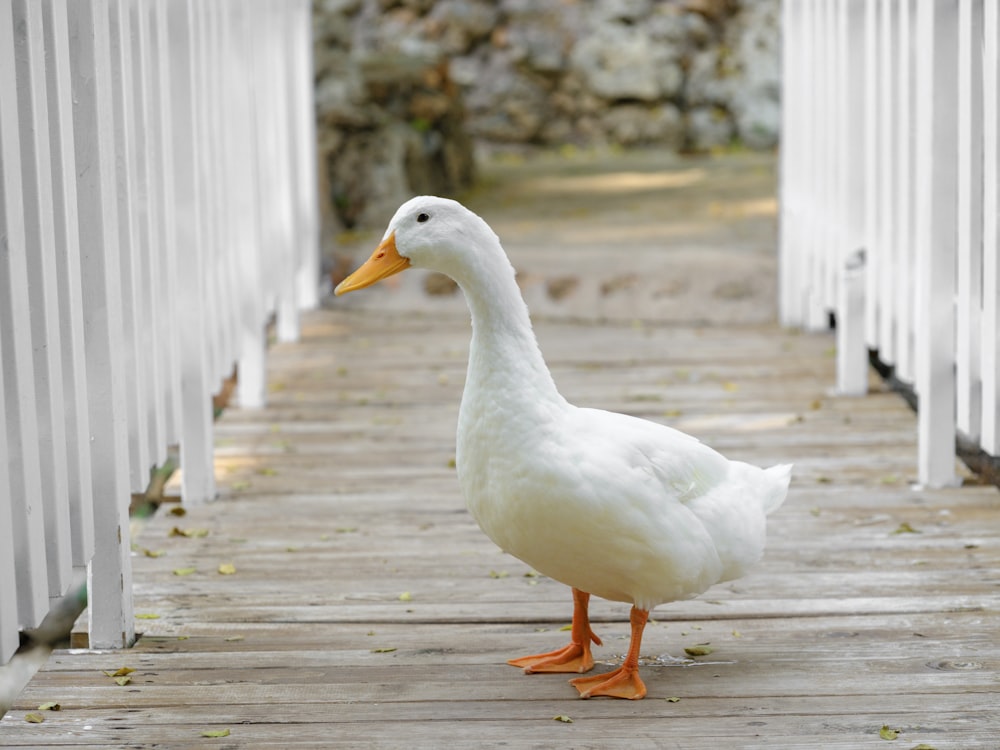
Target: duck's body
pixel 611 505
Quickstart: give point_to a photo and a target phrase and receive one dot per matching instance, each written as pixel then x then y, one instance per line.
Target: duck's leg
pixel 624 682
pixel 576 656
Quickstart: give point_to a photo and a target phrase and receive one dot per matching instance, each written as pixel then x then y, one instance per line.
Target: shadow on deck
pixel 363 608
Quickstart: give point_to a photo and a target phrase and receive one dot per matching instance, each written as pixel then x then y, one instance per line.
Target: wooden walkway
pixel 363 608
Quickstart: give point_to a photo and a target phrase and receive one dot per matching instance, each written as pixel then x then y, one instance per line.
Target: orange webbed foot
pixel 576 656
pixel 624 682
pixel 571 658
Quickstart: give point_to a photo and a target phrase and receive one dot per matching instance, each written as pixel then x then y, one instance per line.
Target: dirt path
pixel 629 236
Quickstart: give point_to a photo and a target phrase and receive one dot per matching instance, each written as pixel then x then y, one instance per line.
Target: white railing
pixel 889 203
pixel 157 204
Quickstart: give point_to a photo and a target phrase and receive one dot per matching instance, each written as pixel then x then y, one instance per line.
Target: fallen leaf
pixel 215 733
pixel 120 672
pixel 566 627
pixel 388 650
pixel 405 596
pixel 702 649
pixel 227 569
pixel 233 638
pixel 267 471
pixel 532 574
pixel 346 529
pixel 292 549
pixel 905 528
pixel 189 533
pixel 886 733
pixel 563 718
pixel 184 571
pixel 34 718
pixel 178 510
pixel 501 574
pixel 673 700
pixel 123 681
pixel 153 552
pixel 737 634
pixel 50 706
pixel 923 746
pixel 731 387
pixel 240 485
pixel 147 616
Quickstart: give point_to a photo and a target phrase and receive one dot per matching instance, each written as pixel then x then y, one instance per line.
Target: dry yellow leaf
pixel 50 706
pixel 34 718
pixel 887 733
pixel 215 733
pixel 184 571
pixel 147 616
pixel 702 649
pixel 120 672
pixel 563 718
pixel 227 569
pixel 405 596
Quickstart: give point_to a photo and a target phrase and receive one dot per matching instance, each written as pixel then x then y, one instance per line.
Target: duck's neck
pixel 504 359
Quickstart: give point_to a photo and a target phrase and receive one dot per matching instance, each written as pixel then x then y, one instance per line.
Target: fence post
pixel 9 630
pixel 935 237
pixel 65 220
pixel 16 353
pixel 36 185
pixel 198 479
pixel 110 574
pixel 991 236
pixel 969 298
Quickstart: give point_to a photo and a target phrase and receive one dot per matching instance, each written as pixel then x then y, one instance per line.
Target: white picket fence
pixel 889 203
pixel 157 206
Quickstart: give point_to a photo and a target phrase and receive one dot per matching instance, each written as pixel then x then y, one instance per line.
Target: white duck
pixel 611 505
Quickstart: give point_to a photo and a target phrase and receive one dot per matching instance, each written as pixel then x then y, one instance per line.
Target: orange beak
pixel 384 262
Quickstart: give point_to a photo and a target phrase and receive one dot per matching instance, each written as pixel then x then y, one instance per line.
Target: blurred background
pixel 412 94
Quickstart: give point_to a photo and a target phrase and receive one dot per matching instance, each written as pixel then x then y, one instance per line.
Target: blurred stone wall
pixel 406 89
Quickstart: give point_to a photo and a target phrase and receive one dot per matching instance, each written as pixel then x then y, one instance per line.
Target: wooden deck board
pixel 340 497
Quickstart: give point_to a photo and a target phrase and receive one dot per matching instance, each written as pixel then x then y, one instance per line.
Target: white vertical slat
pixel 198 479
pixel 9 630
pixel 936 37
pixel 131 252
pixel 789 250
pixel 167 290
pixel 818 175
pixel 145 207
pixel 15 353
pixel 206 108
pixel 67 275
pixel 852 351
pixel 991 237
pixel 904 193
pixel 228 130
pixel 287 326
pixel 872 218
pixel 252 382
pixel 303 141
pixel 110 572
pixel 970 218
pixel 36 185
pixel 885 251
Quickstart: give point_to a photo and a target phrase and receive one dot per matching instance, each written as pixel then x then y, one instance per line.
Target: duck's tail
pixel 779 476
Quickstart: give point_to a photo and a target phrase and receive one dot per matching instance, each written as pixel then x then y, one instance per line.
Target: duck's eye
pixel 422 218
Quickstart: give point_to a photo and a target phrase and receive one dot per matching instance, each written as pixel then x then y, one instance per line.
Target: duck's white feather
pixel 613 505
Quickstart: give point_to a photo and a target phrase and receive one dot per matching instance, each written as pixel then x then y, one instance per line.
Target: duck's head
pixel 426 232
